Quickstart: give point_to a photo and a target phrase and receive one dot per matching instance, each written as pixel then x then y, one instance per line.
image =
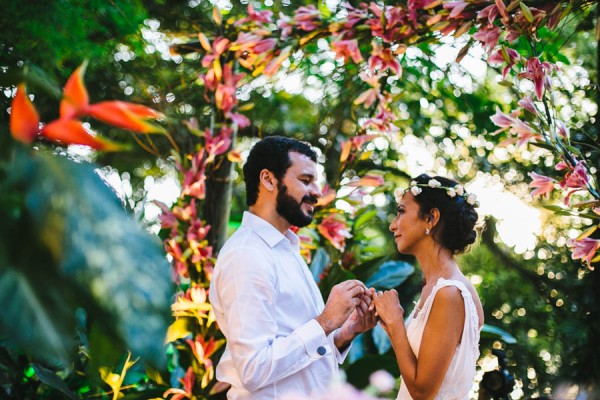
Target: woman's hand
pixel 388 308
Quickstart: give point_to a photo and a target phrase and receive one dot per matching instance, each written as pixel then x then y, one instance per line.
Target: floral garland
pixel 458 190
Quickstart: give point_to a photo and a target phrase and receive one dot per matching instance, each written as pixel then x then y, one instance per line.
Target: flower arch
pixel 374 38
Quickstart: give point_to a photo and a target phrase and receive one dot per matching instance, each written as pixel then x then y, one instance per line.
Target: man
pixel 281 337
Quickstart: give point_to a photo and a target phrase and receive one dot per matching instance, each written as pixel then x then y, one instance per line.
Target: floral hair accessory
pixel 452 192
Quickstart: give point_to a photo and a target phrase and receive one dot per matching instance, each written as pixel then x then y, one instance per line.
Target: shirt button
pixel 321 350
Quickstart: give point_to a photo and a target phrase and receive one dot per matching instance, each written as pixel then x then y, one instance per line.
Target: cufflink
pixel 321 350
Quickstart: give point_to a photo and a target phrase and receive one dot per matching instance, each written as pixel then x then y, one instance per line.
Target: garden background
pixel 108 239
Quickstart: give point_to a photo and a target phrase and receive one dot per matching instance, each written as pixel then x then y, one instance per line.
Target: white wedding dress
pixel 461 372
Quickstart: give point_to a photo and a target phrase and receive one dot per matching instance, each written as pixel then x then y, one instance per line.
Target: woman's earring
pixel 427 231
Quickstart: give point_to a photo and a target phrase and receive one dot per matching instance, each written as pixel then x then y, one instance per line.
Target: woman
pixel 438 345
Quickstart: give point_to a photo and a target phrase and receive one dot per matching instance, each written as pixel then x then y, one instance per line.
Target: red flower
pixel 71 131
pixel 335 230
pixel 383 59
pixel 307 17
pixel 347 49
pixel 24 119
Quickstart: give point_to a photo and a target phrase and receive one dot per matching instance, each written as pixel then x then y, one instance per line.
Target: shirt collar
pixel 266 231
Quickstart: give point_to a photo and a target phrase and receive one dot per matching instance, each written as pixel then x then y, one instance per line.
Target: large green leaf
pixel 493 332
pixel 94 255
pixel 390 275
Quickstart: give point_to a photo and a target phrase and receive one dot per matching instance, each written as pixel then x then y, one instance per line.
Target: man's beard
pixel 291 210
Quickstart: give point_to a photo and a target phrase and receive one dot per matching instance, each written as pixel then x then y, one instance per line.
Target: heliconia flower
pixel 234 156
pixel 284 23
pixel 584 249
pixel 538 71
pixel 24 118
pixel 126 115
pixel 562 129
pixel 327 196
pixel 347 49
pixel 167 218
pixel 527 104
pixel 274 65
pixel 490 13
pixel 383 59
pixel 71 131
pixel 75 96
pixel 543 185
pixel 306 18
pixel 455 7
pixel 239 119
pixel 367 180
pixel 355 15
pixel 488 35
pixel 335 231
pixel 188 385
pixel 262 17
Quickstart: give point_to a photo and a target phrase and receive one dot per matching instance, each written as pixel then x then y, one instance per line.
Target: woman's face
pixel 408 228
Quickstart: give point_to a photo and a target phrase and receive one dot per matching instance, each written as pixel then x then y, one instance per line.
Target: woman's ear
pixel 434 217
pixel 267 180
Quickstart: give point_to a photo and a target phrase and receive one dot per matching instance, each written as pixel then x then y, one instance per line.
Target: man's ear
pixel 268 180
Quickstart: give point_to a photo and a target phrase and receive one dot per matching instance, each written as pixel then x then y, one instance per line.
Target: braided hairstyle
pixel 456 227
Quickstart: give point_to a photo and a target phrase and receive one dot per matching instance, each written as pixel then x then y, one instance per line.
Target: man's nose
pixel 315 190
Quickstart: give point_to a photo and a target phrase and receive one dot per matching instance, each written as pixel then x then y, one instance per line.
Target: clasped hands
pixel 355 308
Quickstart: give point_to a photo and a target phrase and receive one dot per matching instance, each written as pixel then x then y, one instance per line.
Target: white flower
pixel 415 190
pixel 451 192
pixel 382 381
pixel 433 183
pixel 398 193
pixel 459 190
pixel 472 199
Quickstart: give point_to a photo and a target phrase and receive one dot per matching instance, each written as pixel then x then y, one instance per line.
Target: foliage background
pixel 537 296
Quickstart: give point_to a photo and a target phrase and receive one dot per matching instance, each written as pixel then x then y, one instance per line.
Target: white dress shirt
pixel 265 302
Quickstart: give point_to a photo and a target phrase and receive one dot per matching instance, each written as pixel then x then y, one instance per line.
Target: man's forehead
pixel 302 162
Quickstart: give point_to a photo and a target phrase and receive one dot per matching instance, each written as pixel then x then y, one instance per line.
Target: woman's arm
pixel 424 375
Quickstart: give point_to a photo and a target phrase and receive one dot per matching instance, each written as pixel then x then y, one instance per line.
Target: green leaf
pixel 390 275
pixel 381 339
pixel 320 261
pixel 97 257
pixel 51 379
pixel 493 332
pixel 358 349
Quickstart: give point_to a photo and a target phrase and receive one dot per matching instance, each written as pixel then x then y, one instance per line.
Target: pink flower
pixel 543 185
pixel 488 35
pixel 347 49
pixel 527 104
pixel 261 17
pixel 355 15
pixel 577 179
pixel 584 249
pixel 307 17
pixel 455 7
pixel 335 231
pixel 538 72
pixel 383 59
pixel 284 23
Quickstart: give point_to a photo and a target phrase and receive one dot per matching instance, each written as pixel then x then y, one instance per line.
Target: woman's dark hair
pixel 456 227
pixel 271 153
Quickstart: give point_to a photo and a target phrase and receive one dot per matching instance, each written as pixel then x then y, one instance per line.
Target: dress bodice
pixel 461 372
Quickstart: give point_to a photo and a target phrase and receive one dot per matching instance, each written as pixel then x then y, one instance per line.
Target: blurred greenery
pixel 546 301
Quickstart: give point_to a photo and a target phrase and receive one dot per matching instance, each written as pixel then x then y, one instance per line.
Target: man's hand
pixel 361 320
pixel 344 298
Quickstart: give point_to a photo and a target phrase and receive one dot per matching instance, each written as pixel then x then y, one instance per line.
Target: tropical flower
pixel 307 18
pixel 335 231
pixel 347 49
pixel 584 249
pixel 188 385
pixel 24 118
pixel 383 59
pixel 543 185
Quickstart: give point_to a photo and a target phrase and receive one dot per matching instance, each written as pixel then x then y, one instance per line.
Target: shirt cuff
pixel 339 357
pixel 313 337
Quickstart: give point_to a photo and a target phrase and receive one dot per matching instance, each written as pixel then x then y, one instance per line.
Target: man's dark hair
pixel 271 153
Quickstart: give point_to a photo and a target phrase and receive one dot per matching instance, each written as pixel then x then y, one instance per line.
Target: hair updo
pixel 456 227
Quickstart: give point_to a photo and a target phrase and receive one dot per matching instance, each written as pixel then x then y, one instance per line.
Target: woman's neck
pixel 436 262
